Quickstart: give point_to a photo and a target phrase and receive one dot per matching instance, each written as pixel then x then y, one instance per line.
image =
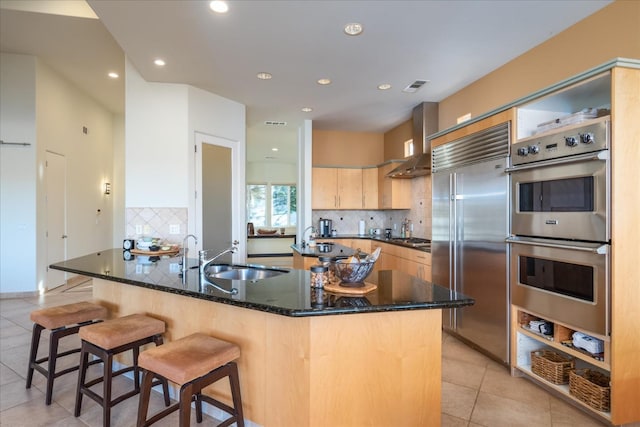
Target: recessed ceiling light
pixel 324 81
pixel 384 86
pixel 264 76
pixel 307 109
pixel 113 75
pixel 159 62
pixel 353 29
pixel 219 6
pixel 274 149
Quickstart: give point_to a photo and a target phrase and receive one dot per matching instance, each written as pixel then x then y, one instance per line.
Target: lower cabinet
pixel 392 257
pixel 411 261
pixel 543 350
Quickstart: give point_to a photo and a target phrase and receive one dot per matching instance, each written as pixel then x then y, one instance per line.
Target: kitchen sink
pixel 241 272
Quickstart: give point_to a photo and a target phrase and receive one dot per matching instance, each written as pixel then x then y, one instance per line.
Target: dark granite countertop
pixel 288 294
pixel 393 241
pixel 324 249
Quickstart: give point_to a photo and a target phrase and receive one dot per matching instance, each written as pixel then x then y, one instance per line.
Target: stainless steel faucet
pixel 313 230
pixel 185 251
pixel 205 261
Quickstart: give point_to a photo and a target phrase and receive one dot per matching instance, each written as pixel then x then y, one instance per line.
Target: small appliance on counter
pixel 361 227
pixel 324 227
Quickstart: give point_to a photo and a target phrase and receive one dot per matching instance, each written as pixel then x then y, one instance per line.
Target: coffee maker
pixel 324 227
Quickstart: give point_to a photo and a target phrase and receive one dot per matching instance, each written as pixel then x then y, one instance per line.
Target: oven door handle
pixel 599 250
pixel 600 155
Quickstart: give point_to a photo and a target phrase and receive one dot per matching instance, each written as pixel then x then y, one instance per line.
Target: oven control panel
pixel 568 141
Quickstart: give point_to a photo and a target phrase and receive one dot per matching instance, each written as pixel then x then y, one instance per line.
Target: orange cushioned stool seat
pixel 106 339
pixel 62 321
pixel 192 362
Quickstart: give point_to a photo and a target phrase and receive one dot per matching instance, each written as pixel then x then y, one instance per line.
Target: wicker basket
pixel 591 387
pixel 552 366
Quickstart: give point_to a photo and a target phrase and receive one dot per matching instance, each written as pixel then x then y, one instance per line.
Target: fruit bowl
pixel 352 274
pixel 265 231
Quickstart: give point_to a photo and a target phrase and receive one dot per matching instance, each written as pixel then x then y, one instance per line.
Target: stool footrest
pixel 66 353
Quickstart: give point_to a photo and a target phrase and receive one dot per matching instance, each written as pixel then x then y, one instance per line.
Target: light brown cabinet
pixel 344 188
pixel 370 188
pixel 393 193
pixel 411 261
pixel 336 188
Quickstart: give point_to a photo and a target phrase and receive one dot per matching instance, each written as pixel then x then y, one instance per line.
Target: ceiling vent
pixel 413 87
pixel 274 123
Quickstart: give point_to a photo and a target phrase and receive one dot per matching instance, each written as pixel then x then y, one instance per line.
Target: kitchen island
pixel 308 358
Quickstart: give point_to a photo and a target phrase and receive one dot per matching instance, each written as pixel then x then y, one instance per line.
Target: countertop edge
pixel 311 312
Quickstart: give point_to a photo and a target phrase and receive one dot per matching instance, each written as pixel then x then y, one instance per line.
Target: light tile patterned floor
pixel 476 391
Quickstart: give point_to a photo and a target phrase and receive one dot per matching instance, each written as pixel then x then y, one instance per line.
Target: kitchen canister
pixel 361 228
pixel 319 276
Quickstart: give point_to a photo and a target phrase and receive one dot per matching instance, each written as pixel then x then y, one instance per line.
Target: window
pixel 272 205
pixel 408 148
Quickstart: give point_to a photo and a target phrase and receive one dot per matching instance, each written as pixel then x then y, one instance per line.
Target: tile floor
pixel 476 391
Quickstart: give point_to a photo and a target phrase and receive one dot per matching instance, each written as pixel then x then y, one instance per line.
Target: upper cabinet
pixel 370 188
pixel 336 188
pixel 359 188
pixel 393 193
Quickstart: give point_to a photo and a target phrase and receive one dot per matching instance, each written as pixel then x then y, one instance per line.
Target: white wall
pixel 156 134
pixel 62 111
pixel 161 120
pixel 279 173
pixel 42 108
pixel 118 181
pixel 17 173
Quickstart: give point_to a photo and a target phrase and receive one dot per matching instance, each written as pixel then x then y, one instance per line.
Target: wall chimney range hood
pixel 425 122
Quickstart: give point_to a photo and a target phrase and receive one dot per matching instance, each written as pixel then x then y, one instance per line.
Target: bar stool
pixel 192 362
pixel 106 339
pixel 62 321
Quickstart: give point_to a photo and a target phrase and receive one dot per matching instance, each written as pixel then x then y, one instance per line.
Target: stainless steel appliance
pixel 562 280
pixel 424 120
pixel 324 227
pixel 560 249
pixel 470 225
pixel 560 184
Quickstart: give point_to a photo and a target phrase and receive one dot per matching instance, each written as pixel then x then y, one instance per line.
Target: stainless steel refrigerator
pixel 470 223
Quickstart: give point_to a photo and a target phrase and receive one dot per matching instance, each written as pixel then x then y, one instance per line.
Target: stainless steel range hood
pixel 425 122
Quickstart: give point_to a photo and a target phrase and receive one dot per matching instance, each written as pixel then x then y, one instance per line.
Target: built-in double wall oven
pixel 560 225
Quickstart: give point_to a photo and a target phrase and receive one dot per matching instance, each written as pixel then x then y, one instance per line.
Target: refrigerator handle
pixel 453 240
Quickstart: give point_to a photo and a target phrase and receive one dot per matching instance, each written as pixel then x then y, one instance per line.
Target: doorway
pixel 56 208
pixel 219 195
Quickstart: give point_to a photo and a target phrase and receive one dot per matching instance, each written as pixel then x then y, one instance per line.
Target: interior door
pixel 218 195
pixel 56 208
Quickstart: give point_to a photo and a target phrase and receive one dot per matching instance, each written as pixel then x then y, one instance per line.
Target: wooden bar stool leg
pixel 199 407
pixel 185 405
pixel 106 396
pixel 234 382
pixel 84 362
pixel 33 353
pixel 145 393
pixel 51 365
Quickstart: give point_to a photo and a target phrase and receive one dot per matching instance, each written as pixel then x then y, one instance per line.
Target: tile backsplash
pixel 346 222
pixel 169 224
